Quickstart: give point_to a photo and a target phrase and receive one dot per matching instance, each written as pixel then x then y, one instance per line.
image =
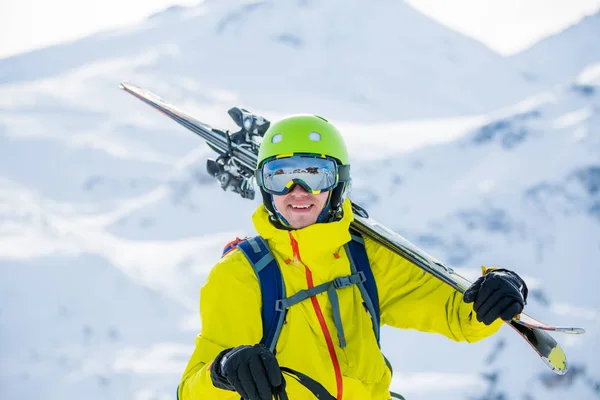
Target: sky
pixel 505 26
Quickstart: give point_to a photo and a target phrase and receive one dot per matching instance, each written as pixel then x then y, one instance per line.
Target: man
pixel 303 175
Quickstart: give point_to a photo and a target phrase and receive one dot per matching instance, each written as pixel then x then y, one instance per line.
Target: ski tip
pixel 526 320
pixel 557 361
pixel 574 331
pixel 126 86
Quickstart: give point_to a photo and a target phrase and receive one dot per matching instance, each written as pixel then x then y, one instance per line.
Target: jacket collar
pixel 316 239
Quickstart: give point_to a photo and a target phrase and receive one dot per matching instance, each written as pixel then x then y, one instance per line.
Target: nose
pixel 298 191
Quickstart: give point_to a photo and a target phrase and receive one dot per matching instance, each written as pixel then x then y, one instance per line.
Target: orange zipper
pixel 321 318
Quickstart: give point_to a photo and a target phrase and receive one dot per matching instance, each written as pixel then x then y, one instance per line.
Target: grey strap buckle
pixel 345 281
pixel 279 306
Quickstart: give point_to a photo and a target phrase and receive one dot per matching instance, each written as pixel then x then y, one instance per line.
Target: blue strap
pixel 271 286
pixel 275 304
pixel 359 262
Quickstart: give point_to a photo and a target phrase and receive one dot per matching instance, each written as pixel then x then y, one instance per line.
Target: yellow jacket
pixel 230 310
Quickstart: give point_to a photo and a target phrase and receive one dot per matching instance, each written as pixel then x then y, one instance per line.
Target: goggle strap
pixel 343 173
pixel 258 175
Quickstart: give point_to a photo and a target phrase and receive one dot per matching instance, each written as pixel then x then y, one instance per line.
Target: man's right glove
pixel 252 371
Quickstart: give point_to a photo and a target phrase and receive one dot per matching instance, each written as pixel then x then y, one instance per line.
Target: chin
pixel 300 223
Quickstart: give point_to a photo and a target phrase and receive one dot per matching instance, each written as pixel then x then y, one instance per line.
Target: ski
pixel 234 169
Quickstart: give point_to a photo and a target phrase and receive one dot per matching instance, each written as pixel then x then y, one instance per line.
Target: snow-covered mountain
pixel 382 62
pixel 559 57
pixel 522 191
pixel 109 223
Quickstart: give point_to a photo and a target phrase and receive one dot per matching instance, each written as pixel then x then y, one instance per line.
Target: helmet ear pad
pixel 338 195
pixel 267 201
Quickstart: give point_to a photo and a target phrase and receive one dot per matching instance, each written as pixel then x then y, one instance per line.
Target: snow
pixel 109 223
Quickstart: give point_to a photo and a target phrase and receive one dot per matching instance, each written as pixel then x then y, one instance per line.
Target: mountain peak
pixel 383 62
pixel 561 56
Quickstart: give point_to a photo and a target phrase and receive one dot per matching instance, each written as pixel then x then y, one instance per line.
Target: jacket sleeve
pixel 410 298
pixel 230 304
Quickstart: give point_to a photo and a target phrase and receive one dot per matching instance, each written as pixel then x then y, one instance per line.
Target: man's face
pixel 300 208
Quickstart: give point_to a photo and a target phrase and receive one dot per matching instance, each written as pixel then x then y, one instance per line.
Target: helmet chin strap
pixel 280 218
pixel 325 214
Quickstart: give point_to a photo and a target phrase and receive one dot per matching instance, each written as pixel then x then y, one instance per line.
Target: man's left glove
pixel 499 293
pixel 252 371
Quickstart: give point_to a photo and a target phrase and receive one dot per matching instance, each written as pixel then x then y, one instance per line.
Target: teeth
pixel 301 206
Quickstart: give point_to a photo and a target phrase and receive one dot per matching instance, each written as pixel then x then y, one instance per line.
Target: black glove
pixel 252 371
pixel 499 293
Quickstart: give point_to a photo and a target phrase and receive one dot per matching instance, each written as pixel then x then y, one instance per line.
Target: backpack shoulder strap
pixel 359 262
pixel 272 287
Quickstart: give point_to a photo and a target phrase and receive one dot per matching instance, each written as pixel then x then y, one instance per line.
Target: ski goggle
pixel 315 174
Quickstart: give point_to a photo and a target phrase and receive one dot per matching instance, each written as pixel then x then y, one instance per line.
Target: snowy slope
pixel 75 326
pixel 382 62
pixel 559 57
pixel 109 224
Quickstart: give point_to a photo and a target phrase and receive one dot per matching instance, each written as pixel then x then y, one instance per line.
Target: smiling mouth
pixel 301 207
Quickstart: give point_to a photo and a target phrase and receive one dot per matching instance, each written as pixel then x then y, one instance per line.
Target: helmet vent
pixel 314 136
pixel 277 138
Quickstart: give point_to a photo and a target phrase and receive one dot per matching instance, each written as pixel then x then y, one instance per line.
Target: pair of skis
pixel 234 169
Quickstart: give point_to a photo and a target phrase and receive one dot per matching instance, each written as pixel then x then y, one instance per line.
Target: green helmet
pixel 306 134
pixel 303 134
